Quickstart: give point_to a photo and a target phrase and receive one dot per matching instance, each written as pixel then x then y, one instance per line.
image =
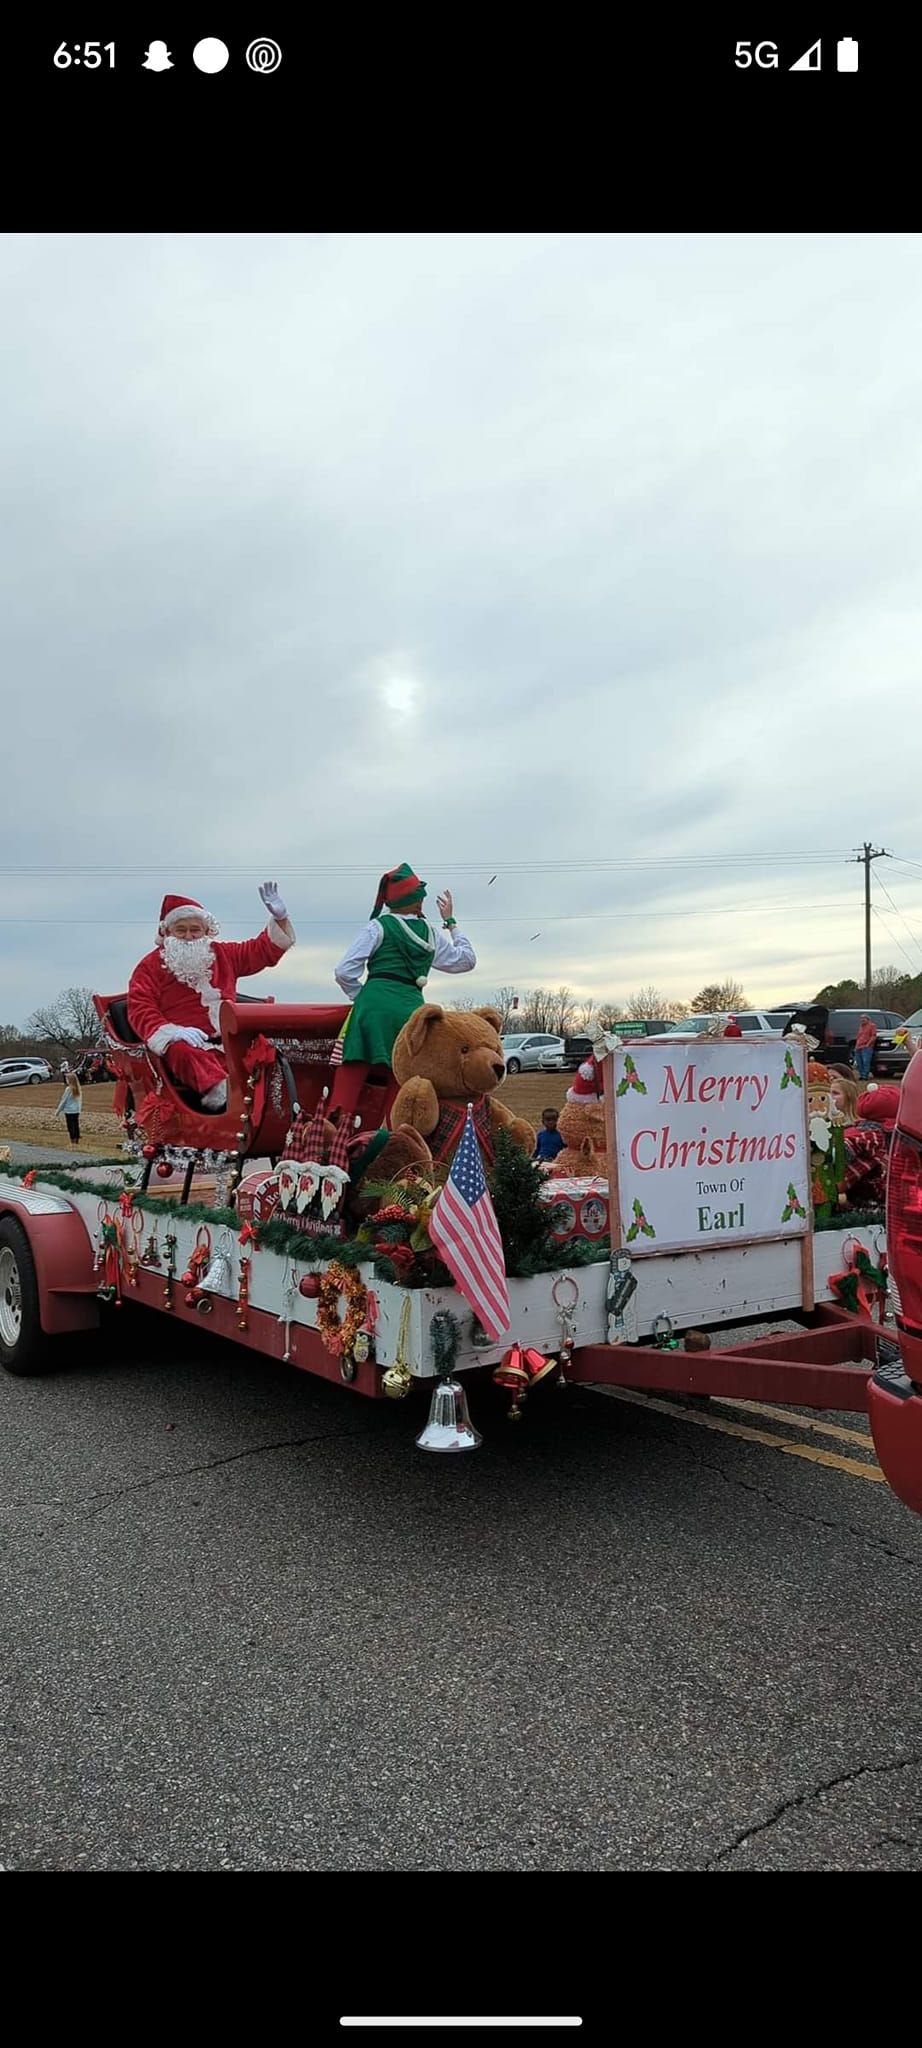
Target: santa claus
pixel 175 993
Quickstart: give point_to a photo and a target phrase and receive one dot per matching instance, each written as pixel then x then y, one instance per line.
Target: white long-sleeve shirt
pixel 454 954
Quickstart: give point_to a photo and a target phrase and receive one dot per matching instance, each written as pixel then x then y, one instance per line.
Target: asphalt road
pixel 247 1626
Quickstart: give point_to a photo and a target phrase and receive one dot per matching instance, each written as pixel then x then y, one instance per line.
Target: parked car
pixel 842 1031
pixel 752 1023
pixel 20 1073
pixel 522 1050
pixel 578 1049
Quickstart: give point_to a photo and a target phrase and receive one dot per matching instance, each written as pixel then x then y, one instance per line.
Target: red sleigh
pixel 279 1059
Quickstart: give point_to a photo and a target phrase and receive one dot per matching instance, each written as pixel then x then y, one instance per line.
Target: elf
pixel 175 993
pixel 397 948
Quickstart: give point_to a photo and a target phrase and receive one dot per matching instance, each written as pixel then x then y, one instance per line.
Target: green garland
pixel 277 1236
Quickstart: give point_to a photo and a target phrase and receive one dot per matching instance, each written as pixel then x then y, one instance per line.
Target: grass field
pixel 27 1114
pixel 27 1117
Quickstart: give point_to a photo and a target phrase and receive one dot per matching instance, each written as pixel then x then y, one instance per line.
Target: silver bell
pixel 449 1427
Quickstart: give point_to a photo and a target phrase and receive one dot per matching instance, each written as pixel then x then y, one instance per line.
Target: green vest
pixel 392 990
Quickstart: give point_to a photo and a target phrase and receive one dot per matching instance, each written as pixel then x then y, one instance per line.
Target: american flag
pixel 465 1232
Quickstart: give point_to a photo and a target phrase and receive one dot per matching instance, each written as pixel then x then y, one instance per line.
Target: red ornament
pixel 150 1151
pixel 310 1285
pixel 164 1170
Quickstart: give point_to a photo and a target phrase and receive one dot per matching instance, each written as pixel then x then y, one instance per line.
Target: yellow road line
pixel 834 1429
pixel 831 1459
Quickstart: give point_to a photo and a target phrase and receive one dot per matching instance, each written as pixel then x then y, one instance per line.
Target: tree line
pixel 70 1024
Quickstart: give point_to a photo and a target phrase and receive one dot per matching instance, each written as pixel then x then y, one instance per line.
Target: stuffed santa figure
pixel 175 993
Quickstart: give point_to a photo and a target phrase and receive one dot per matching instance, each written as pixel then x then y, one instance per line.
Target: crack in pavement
pixel 706 1464
pixel 189 1471
pixel 800 1799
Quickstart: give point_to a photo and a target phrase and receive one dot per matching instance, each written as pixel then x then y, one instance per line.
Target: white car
pixel 752 1023
pixel 19 1073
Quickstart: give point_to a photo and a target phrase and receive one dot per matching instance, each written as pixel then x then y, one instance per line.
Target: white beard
pixel 192 961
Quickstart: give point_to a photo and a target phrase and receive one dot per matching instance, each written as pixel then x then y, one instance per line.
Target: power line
pixel 576 917
pixel 897 942
pixel 475 868
pixel 913 935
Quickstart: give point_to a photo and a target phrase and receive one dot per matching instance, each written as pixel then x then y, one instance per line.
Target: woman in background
pixel 70 1105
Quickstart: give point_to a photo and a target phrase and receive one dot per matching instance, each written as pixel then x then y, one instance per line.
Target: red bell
pixel 511 1371
pixel 536 1365
pixel 310 1285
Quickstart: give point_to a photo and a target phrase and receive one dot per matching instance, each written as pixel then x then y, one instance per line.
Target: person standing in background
pixel 864 1047
pixel 71 1105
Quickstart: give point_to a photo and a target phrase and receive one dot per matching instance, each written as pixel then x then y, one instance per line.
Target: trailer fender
pixel 62 1254
pixel 895 1409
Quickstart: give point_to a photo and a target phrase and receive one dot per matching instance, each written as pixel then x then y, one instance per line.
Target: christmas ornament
pixel 537 1366
pixel 149 1152
pixel 398 1379
pixel 164 1170
pixel 169 1251
pixel 310 1286
pixel 565 1295
pixel 243 1294
pixel 287 1308
pixel 339 1337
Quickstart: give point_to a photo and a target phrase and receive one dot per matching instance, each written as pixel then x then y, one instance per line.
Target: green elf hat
pixel 400 890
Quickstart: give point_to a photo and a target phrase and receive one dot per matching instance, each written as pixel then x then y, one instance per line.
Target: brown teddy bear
pixel 581 1124
pixel 444 1059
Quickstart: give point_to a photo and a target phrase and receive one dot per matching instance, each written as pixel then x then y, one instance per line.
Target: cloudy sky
pixel 591 563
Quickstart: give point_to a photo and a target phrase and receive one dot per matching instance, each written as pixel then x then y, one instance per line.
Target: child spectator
pixel 550 1141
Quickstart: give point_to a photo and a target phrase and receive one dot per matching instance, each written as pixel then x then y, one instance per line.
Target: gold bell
pixel 396 1382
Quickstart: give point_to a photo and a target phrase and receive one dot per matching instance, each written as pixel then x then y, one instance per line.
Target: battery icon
pixel 847 54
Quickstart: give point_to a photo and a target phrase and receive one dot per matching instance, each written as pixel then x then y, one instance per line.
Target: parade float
pixel 331 1247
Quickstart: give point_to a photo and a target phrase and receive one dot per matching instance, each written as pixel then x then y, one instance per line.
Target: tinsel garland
pixel 445 1338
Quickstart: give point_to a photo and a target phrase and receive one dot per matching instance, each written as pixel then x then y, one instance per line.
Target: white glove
pixel 191 1035
pixel 269 891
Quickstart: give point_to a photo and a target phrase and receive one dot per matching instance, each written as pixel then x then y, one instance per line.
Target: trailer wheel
pixel 24 1348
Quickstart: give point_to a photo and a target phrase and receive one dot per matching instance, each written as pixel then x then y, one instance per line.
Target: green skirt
pixel 378 1014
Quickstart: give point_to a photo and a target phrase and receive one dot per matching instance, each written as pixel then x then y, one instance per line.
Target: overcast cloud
pixel 501 555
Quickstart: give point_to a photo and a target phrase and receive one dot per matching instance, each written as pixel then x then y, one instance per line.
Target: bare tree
pixel 609 1014
pixel 648 1002
pixel 585 1019
pixel 506 1001
pixel 70 1021
pixel 721 995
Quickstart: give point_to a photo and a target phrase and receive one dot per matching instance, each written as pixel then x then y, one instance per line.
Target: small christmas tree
pixel 524 1220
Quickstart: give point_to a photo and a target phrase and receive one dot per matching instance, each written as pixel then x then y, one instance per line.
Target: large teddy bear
pixel 581 1124
pixel 444 1059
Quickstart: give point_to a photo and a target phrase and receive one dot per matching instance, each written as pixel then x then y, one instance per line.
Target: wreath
pixel 339 1337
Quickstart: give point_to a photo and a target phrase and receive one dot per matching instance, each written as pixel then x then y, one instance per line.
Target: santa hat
pixel 174 907
pixel 400 890
pixel 879 1106
pixel 586 1086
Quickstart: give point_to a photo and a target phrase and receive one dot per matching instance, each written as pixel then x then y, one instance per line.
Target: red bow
pixel 259 1053
pixel 249 1235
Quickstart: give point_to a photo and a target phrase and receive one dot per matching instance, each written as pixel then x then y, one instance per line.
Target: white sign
pixel 710 1142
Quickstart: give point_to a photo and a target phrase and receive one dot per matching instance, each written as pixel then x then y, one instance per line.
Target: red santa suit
pixel 163 1004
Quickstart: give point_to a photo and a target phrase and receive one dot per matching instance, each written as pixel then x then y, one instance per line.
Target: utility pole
pixel 865 857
